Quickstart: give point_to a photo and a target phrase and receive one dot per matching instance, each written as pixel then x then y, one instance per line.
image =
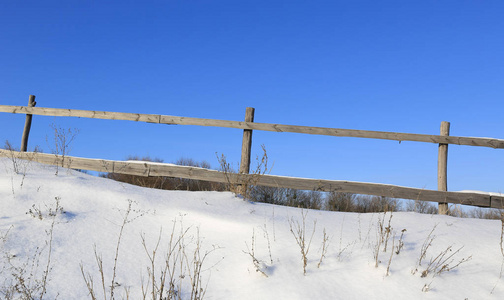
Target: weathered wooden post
pixel 246 148
pixel 26 131
pixel 443 167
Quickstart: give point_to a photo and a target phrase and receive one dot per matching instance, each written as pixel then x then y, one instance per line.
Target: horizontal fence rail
pixel 147 169
pixel 174 120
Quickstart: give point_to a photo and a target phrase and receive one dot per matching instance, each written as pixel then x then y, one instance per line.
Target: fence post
pixel 443 167
pixel 246 147
pixel 26 131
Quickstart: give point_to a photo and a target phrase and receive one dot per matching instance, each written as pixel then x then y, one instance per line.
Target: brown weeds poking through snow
pixel 299 233
pixel 179 264
pixel 423 251
pixel 19 166
pixel 383 235
pixel 166 284
pixel 62 143
pixel 443 262
pixel 325 245
pixel 88 278
pixel 24 283
pixel 251 252
pixel 401 243
pixel 266 236
pixel 242 183
pixel 390 259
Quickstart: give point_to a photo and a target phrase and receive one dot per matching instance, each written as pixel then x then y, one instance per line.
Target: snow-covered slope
pixel 228 230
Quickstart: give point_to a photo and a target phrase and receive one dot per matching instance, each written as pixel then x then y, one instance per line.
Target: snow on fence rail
pixel 442 196
pixel 141 168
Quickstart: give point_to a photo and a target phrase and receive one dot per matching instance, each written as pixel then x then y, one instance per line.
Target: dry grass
pixel 243 184
pixel 61 143
pixel 179 276
pixel 299 232
pixel 258 265
pixel 25 280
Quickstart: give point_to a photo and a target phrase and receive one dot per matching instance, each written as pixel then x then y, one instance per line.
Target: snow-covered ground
pixel 228 230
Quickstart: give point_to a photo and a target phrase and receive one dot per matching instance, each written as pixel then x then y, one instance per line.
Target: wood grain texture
pixel 27 127
pixel 141 168
pixel 247 143
pixel 443 167
pixel 174 120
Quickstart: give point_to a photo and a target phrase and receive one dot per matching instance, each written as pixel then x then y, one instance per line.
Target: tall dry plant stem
pixel 62 142
pixel 88 279
pixel 299 232
pixel 251 252
pixel 325 245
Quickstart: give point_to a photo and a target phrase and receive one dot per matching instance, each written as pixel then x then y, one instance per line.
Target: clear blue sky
pixel 400 66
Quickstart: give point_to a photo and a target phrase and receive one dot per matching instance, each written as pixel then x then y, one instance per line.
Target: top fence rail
pixel 175 120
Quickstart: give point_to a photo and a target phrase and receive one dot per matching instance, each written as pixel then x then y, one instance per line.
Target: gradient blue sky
pixel 400 66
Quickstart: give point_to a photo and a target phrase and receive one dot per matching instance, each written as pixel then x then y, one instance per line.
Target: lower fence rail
pixel 149 169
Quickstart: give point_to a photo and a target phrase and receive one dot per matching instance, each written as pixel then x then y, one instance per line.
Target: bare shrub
pixel 266 194
pixel 303 199
pixel 377 204
pixel 195 273
pixel 288 197
pixel 425 246
pixel 485 213
pixel 444 262
pixel 339 201
pixel 180 274
pixel 422 207
pixel 348 202
pixel 311 200
pixel 167 183
pixel 455 210
pixel 243 184
pixel 37 213
pixel 61 143
pixel 179 264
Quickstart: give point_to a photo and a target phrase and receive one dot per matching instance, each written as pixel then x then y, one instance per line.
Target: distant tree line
pixel 168 183
pixel 332 201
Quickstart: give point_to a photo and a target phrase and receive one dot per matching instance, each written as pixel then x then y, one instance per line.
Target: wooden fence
pixel 442 196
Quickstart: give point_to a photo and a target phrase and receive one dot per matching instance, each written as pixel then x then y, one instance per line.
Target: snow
pixel 94 209
pixel 482 192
